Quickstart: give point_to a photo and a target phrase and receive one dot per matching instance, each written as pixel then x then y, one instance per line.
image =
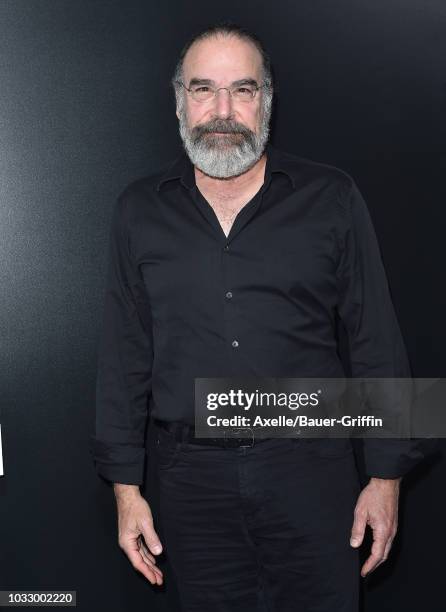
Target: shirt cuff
pixel 394 458
pixel 118 463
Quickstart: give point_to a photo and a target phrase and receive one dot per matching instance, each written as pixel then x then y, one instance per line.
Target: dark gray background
pixel 85 108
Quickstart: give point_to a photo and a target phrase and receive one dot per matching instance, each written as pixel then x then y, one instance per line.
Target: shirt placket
pixel 228 260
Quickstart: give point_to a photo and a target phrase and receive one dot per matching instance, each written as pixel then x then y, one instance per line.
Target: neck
pixel 233 185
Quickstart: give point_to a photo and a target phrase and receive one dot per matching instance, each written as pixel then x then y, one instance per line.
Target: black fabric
pixel 184 301
pixel 265 528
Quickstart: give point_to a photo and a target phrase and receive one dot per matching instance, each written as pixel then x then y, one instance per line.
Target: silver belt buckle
pixel 237 430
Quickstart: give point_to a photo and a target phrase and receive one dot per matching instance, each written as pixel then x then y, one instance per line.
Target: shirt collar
pixel 183 169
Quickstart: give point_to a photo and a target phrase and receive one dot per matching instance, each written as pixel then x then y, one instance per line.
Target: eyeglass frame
pixel 189 89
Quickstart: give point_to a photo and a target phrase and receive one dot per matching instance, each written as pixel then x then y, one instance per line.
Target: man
pixel 240 260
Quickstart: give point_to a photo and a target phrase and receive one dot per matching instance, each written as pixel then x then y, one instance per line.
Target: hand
pixel 135 520
pixel 377 506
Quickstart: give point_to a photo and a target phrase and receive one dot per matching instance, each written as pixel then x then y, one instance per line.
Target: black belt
pixel 186 433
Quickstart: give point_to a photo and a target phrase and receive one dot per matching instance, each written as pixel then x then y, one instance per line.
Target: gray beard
pixel 224 156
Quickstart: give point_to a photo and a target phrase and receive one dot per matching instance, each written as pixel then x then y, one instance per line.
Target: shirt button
pixel 235 343
pixel 229 295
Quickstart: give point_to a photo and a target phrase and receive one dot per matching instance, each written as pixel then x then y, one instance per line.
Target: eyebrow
pixel 238 83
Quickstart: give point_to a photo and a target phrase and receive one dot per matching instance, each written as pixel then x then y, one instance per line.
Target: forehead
pixel 222 59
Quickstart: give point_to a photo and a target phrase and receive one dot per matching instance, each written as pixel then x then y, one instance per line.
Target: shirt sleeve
pixel 124 363
pixel 375 341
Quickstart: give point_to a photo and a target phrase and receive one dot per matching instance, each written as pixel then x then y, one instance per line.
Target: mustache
pixel 225 127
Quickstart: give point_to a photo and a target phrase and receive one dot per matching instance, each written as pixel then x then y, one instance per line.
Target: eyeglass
pixel 241 93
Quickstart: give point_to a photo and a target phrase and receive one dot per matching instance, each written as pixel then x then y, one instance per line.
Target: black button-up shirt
pixel 184 301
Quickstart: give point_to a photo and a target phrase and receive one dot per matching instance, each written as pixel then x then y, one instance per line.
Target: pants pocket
pixel 167 449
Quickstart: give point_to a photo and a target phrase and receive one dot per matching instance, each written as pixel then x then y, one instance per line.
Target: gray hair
pixel 225 28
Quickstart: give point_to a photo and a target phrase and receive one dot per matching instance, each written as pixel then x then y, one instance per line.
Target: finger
pixel 151 564
pixel 131 548
pixel 142 566
pixel 152 540
pixel 154 568
pixel 358 528
pixel 377 553
pixel 388 547
pixel 143 548
pixel 375 566
pixel 150 560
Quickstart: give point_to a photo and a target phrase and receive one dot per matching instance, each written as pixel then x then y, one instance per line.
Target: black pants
pixel 262 528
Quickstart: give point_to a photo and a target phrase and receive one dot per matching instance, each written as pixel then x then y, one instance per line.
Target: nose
pixel 223 103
